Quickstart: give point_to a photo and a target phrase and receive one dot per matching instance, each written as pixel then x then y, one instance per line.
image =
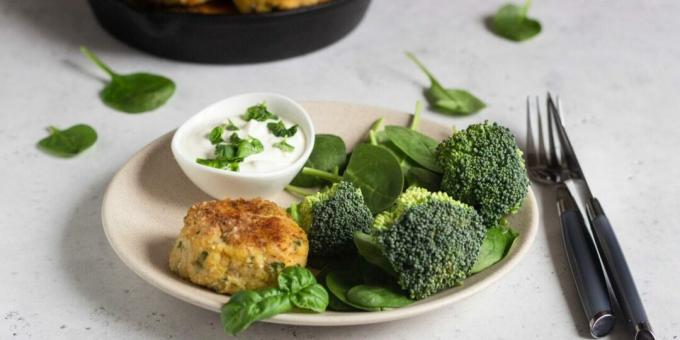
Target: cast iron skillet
pixel 229 38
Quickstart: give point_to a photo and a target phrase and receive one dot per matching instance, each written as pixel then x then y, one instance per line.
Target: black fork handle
pixel 585 266
pixel 618 272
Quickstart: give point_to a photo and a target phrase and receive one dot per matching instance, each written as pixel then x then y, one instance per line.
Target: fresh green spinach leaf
pixel 368 248
pixel 329 153
pixel 246 307
pixel 294 279
pixel 377 172
pixel 133 93
pixel 284 146
pixel 415 145
pixel 215 135
pixel 421 177
pixel 259 112
pixel 249 146
pixel 455 102
pixel 511 22
pixel 496 244
pixel 340 282
pixel 279 129
pixel 372 296
pixel 231 126
pixel 297 287
pixel 313 297
pixel 68 142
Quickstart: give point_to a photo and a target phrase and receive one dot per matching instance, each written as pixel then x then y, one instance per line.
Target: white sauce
pixel 197 145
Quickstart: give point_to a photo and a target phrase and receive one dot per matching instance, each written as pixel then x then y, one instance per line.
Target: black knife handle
pixel 619 275
pixel 585 267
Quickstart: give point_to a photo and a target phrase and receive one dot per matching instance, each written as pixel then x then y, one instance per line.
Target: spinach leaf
pixel 246 307
pixel 249 146
pixel 496 244
pixel 294 212
pixel 229 155
pixel 372 296
pixel 133 93
pixel 455 102
pixel 511 22
pixel 294 279
pixel 297 287
pixel 376 171
pixel 231 126
pixel 215 135
pixel 313 297
pixel 278 129
pixel 329 154
pixel 417 176
pixel 337 305
pixel 340 282
pixel 284 146
pixel 415 145
pixel 368 248
pixel 259 112
pixel 68 142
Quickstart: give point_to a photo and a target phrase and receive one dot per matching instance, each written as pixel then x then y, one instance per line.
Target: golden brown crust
pixel 231 245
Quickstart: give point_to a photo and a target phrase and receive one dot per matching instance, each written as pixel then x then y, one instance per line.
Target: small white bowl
pixel 223 183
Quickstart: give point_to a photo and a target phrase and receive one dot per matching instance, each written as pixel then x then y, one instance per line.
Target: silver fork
pixel 546 164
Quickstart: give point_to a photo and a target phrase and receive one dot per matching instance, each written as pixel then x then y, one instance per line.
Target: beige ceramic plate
pixel 147 199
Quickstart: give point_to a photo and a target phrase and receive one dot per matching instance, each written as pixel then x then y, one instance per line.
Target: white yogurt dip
pixel 196 143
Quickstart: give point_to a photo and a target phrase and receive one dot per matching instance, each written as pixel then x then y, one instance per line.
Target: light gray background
pixel 615 63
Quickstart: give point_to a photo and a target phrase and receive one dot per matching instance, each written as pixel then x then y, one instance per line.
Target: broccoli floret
pixel 484 168
pixel 429 240
pixel 331 217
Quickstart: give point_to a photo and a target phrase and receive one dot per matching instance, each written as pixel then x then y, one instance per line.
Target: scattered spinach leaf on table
pixel 455 102
pixel 68 142
pixel 511 22
pixel 496 244
pixel 297 288
pixel 133 93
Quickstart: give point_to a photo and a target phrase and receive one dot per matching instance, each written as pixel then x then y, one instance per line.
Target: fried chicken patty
pixel 178 2
pixel 248 6
pixel 232 245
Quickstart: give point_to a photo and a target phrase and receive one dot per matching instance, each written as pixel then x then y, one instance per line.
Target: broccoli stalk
pixel 483 167
pixel 428 241
pixel 331 217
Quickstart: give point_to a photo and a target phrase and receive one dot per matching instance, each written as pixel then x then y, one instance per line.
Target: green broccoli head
pixel 484 168
pixel 331 217
pixel 429 241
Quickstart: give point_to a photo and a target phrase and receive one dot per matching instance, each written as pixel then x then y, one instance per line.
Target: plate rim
pixel 501 268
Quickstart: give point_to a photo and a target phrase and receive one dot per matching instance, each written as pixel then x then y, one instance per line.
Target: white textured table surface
pixel 616 64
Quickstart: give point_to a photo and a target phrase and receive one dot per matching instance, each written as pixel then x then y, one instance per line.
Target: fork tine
pixel 531 158
pixel 567 150
pixel 552 152
pixel 542 159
